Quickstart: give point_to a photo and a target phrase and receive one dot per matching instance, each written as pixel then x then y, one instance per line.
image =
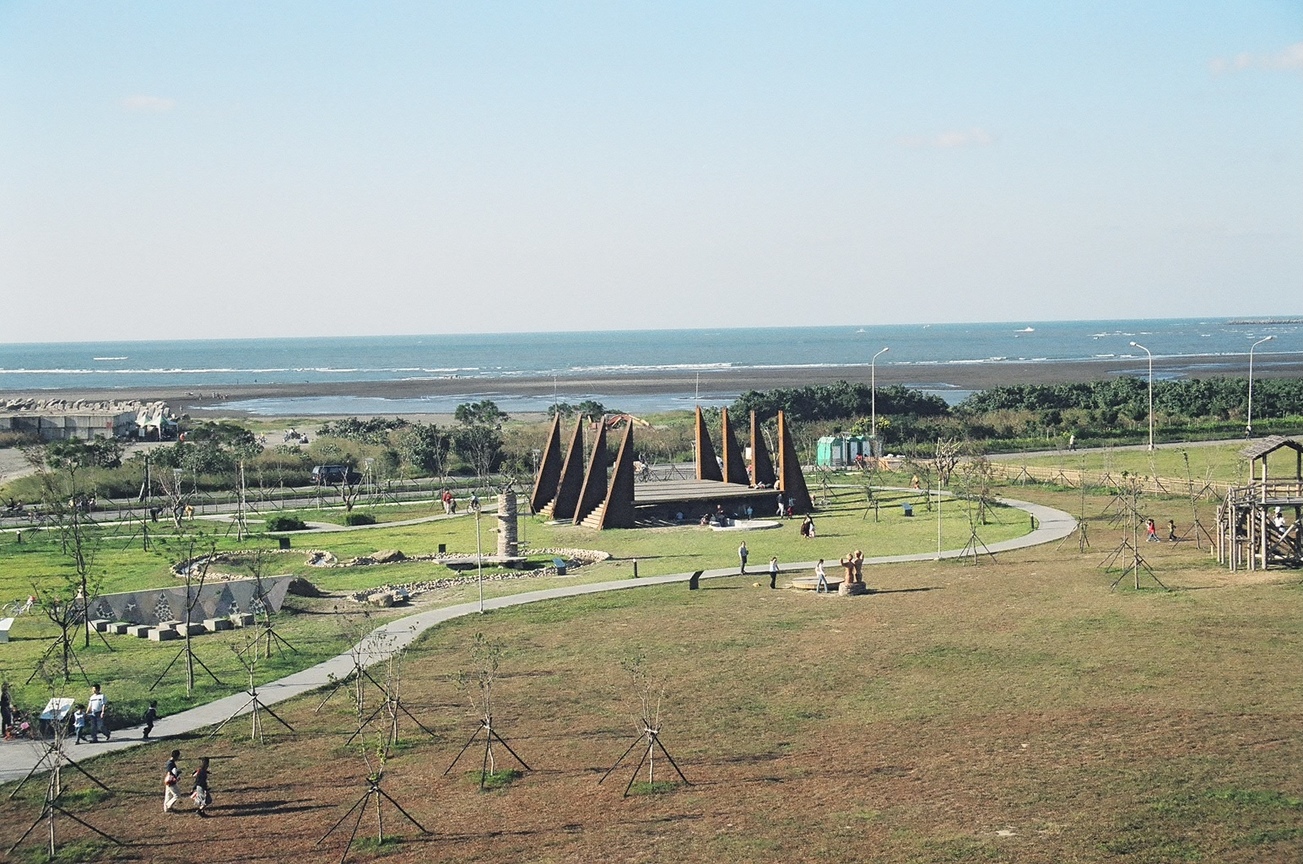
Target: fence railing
pixel 1076 478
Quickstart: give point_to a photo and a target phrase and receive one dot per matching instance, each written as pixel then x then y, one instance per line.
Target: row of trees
pixel 838 401
pixel 1100 410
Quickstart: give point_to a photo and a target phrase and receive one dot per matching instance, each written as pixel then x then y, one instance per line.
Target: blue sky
pixel 253 169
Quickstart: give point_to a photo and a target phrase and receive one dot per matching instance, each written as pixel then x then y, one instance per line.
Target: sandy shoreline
pixel 713 384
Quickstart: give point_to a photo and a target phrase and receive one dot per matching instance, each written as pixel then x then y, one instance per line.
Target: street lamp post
pixel 1248 425
pixel 479 554
pixel 873 398
pixel 1151 391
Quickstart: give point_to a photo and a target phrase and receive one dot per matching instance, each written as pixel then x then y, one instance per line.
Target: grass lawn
pixel 1220 463
pixel 1016 711
pixel 313 626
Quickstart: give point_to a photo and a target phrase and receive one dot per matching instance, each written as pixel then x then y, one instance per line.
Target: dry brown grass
pixel 1016 711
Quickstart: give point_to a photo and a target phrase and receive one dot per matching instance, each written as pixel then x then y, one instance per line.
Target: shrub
pixel 286 523
pixel 359 519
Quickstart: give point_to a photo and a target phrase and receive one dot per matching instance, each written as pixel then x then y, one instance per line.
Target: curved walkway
pixel 18 758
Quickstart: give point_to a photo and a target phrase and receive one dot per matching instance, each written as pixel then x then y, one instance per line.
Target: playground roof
pixel 1270 444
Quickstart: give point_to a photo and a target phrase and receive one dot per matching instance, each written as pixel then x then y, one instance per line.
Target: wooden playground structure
pixel 1253 531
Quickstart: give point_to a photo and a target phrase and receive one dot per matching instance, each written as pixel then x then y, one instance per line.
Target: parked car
pixel 329 475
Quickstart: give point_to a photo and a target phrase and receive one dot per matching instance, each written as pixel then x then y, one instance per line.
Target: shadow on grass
pixel 904 590
pixel 267 808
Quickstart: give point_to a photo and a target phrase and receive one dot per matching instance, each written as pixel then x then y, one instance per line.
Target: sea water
pixel 484 360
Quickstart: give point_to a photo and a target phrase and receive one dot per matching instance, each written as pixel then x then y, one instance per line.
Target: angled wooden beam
pixel 790 479
pixel 549 470
pixel 707 462
pixel 762 467
pixel 572 476
pixel 735 468
pixel 594 491
pixel 618 510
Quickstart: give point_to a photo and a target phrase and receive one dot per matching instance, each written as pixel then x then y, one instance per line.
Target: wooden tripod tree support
pixel 1136 562
pixel 372 793
pixel 254 705
pixel 53 760
pixel 487 765
pixel 652 736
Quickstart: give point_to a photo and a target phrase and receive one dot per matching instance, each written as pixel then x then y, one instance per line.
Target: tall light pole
pixel 479 555
pixel 1151 391
pixel 873 398
pixel 1248 425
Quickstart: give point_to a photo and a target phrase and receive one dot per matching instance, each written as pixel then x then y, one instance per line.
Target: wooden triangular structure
pixel 735 468
pixel 572 478
pixel 790 479
pixel 707 462
pixel 617 510
pixel 762 467
pixel 549 470
pixel 594 490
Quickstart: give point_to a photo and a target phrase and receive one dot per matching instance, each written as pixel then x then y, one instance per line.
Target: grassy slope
pixel 134 666
pixel 1015 712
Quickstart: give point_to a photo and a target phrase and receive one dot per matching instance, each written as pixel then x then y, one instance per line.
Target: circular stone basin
pixel 811 583
pixel 748 525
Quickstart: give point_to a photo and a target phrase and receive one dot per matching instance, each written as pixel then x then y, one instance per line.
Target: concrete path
pixel 17 758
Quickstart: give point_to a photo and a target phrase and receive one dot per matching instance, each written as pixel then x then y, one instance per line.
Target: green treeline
pixel 1111 410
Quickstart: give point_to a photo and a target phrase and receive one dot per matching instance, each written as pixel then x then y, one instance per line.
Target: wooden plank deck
pixel 672 491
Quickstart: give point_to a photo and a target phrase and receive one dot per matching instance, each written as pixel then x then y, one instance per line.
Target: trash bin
pixel 443 548
pixel 284 541
pixel 560 565
pixel 908 508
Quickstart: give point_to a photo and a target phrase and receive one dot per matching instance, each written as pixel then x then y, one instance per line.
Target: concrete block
pixel 100 625
pixel 243 619
pixel 119 627
pixel 195 629
pixel 140 631
pixel 212 625
pixel 162 635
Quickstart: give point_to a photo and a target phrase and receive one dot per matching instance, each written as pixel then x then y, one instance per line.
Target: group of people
pixel 852 563
pixel 743 554
pixel 172 778
pixel 92 718
pixel 1151 530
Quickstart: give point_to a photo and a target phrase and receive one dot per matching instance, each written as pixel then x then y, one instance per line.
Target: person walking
pixel 97 707
pixel 201 796
pixel 821 587
pixel 151 715
pixel 171 776
pixel 742 556
pixel 79 724
pixel 773 571
pixel 6 709
pixel 1151 531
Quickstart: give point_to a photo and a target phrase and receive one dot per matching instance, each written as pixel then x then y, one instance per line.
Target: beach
pixel 713 384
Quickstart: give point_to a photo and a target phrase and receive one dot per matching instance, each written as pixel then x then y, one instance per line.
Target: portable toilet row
pixel 838 451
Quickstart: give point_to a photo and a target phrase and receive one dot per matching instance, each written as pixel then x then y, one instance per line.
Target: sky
pixel 248 169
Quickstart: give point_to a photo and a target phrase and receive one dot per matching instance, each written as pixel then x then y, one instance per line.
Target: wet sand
pixel 713 384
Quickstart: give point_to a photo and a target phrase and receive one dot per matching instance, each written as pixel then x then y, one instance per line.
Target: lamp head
pixel 1135 345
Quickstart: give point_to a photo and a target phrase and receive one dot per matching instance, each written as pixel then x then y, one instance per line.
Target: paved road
pixel 17 759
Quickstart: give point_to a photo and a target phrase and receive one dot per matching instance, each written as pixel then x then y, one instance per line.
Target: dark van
pixel 332 474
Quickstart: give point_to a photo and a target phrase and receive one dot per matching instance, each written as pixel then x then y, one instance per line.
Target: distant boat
pixel 109 358
pixel 1027 330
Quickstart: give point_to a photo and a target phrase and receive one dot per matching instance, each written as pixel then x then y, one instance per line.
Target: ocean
pixel 925 351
